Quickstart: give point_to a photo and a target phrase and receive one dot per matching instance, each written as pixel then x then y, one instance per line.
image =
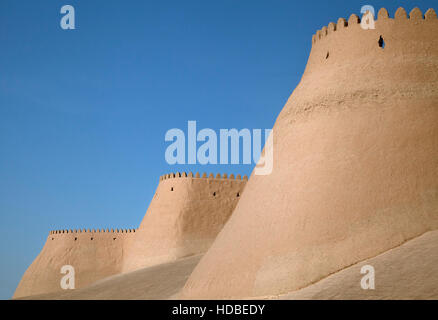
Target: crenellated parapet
pixel 91 231
pixel 204 175
pixel 377 56
pixel 415 16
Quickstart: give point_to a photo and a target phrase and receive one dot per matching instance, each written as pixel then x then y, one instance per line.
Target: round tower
pixel 355 163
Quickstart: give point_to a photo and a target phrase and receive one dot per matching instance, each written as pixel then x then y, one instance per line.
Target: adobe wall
pixel 355 164
pixel 184 217
pixel 94 254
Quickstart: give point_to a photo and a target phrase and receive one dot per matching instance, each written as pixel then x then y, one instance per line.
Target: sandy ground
pixel 409 271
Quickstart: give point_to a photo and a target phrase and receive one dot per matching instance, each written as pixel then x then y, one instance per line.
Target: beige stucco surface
pixel 409 271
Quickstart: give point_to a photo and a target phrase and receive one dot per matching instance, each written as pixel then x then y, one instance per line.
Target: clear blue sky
pixel 83 112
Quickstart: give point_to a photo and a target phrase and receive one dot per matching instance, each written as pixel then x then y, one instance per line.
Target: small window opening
pixel 171 189
pixel 214 194
pixel 327 55
pixel 76 238
pixel 92 238
pixel 53 238
pixel 114 238
pixel 238 195
pixel 381 42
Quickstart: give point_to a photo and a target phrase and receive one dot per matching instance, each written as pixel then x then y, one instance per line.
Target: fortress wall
pixel 184 217
pixel 355 164
pixel 94 254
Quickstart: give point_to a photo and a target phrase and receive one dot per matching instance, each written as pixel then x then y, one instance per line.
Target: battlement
pixel 392 57
pixel 94 253
pixel 204 175
pixel 401 16
pixel 66 231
